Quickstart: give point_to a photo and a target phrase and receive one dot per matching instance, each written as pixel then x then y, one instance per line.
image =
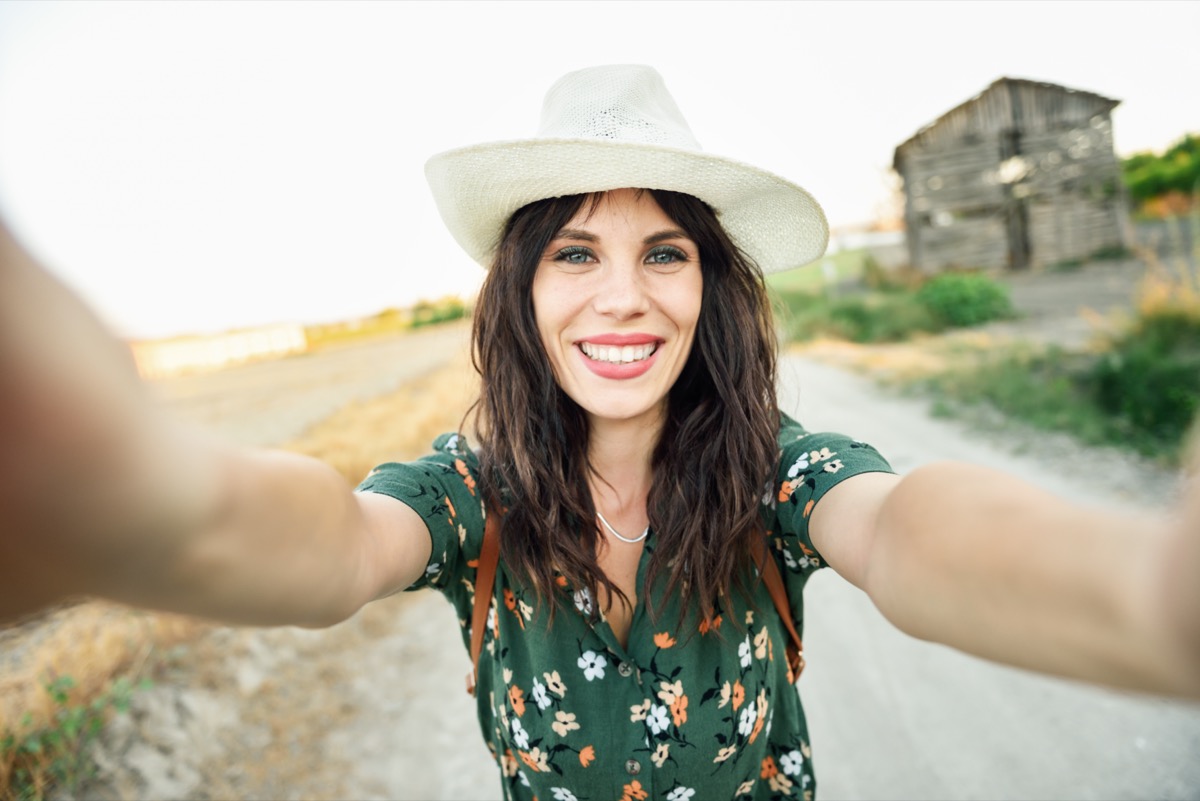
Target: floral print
pixel 701 709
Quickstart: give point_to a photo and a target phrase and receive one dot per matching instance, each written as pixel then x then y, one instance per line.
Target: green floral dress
pixel 706 711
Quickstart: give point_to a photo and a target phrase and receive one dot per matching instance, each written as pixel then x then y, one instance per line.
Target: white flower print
pixel 564 722
pixel 749 617
pixel 834 466
pixel 583 601
pixel 746 721
pixel 724 696
pixel 760 643
pixel 433 569
pixel 520 736
pixel 526 610
pixel 680 794
pixel 639 711
pixel 462 534
pixel 659 757
pixel 791 763
pixel 744 652
pixel 507 676
pixel 821 455
pixel 744 788
pixel 789 560
pixel 562 794
pixel 524 779
pixel 592 665
pixel 538 693
pixel 658 719
pixel 554 684
pixel 800 464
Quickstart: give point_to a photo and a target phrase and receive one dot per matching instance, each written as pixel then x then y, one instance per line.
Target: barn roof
pixel 1101 102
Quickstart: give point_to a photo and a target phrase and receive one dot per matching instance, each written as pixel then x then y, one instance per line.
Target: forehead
pixel 630 208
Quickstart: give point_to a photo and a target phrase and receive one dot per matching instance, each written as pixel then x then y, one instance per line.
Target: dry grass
pixel 95 642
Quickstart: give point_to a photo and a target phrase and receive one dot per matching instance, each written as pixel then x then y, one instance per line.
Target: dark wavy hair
pixel 715 455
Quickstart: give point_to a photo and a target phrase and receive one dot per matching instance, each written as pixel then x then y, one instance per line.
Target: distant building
pixel 193 354
pixel 1021 175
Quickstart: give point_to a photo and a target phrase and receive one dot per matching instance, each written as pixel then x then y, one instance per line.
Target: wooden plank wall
pixel 965 174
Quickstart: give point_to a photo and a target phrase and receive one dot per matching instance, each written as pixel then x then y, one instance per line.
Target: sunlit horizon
pixel 197 167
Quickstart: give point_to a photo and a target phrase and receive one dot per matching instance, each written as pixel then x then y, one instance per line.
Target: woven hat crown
pixel 617 127
pixel 627 103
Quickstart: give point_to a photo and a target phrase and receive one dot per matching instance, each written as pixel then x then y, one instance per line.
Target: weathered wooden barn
pixel 1021 175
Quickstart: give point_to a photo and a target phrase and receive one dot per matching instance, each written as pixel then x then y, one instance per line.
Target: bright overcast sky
pixel 189 167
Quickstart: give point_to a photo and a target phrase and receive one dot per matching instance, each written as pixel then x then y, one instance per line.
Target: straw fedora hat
pixel 616 127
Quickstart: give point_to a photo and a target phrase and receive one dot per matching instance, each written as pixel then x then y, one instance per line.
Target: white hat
pixel 617 127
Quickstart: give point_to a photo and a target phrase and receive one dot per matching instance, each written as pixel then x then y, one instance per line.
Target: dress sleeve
pixel 441 488
pixel 810 465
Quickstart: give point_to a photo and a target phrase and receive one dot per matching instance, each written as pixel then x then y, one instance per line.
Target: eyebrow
pixel 653 239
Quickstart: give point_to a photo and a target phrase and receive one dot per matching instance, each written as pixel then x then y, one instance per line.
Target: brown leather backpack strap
pixel 779 596
pixel 485 582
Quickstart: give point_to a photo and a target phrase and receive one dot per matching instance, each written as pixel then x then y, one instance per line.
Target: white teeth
pixel 618 355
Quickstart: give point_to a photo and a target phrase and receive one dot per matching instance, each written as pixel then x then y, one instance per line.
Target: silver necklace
pixel 617 534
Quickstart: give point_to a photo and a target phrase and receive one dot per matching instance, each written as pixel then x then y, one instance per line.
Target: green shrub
pixel 962 299
pixel 863 317
pixel 1151 377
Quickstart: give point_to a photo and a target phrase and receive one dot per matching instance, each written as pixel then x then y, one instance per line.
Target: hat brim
pixel 477 188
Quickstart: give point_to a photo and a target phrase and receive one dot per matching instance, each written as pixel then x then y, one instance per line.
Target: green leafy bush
pixel 1151 377
pixel 963 299
pixel 864 317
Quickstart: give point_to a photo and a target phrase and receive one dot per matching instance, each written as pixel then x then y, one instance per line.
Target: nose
pixel 622 293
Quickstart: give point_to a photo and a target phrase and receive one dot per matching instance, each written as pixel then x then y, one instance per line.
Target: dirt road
pixel 374 708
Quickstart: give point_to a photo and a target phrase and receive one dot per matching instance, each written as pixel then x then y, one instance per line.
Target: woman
pixel 633 461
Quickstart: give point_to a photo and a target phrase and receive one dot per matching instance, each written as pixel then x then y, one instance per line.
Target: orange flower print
pixel 516 697
pixel 679 710
pixel 739 695
pixel 634 792
pixel 587 756
pixel 787 488
pixel 510 601
pixel 780 783
pixel 769 768
pixel 451 507
pixel 535 759
pixel 663 639
pixel 710 624
pixel 461 467
pixel 509 763
pixel 808 507
pixel 762 716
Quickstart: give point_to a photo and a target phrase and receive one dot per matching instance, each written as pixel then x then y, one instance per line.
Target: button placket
pixel 633 767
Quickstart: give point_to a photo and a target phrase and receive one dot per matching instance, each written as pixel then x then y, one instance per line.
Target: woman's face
pixel 616 297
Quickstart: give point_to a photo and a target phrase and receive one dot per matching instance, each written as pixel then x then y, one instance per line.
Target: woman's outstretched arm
pixel 102 493
pixel 987 563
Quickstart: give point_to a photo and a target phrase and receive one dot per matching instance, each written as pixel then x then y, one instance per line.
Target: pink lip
pixel 620 340
pixel 618 371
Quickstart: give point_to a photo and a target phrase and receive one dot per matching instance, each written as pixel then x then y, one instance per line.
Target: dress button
pixel 625 669
pixel 633 767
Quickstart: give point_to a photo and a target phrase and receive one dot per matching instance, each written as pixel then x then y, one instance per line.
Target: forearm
pixel 102 494
pixel 993 566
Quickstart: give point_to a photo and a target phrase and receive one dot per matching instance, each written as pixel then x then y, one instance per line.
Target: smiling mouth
pixel 618 354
